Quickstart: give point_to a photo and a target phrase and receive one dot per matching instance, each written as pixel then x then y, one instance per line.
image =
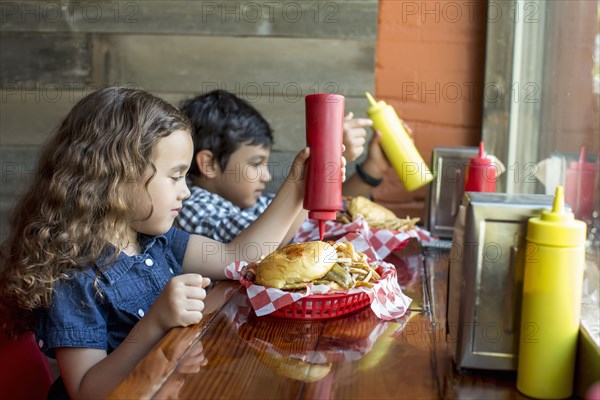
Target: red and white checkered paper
pixel 383 241
pixel 387 300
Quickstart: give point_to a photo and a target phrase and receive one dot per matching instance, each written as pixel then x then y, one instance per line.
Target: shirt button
pixel 149 262
pixel 171 269
pixel 41 343
pixel 141 312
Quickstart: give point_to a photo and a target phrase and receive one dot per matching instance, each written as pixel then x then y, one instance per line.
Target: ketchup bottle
pixel 580 187
pixel 324 133
pixel 481 175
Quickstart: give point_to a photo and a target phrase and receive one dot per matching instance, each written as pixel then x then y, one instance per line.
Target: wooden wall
pixel 271 53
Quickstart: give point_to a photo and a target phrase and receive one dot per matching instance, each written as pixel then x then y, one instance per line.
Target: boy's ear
pixel 207 163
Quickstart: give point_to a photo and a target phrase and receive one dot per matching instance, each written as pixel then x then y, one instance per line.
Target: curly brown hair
pixel 77 207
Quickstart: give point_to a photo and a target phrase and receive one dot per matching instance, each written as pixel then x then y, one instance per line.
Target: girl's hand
pixel 194 360
pixel 343 164
pixel 355 136
pixel 181 302
pixel 190 365
pixel 298 169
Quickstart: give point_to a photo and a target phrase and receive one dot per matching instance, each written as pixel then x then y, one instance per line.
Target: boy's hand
pixel 355 136
pixel 181 302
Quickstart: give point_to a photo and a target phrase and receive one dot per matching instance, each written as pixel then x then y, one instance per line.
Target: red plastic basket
pixel 323 306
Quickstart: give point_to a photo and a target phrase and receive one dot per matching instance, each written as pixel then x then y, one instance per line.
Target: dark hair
pixel 78 204
pixel 221 123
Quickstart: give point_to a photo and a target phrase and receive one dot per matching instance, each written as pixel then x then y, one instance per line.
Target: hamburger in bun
pixel 295 368
pixel 305 351
pixel 376 215
pixel 289 354
pixel 335 264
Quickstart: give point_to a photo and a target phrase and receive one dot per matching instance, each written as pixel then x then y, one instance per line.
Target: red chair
pixel 25 369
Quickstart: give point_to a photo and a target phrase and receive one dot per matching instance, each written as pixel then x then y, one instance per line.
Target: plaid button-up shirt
pixel 208 214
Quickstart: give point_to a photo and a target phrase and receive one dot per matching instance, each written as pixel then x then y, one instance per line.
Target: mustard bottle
pixel 397 145
pixel 551 305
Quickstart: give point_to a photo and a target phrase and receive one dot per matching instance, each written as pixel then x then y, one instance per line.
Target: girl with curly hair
pixel 93 264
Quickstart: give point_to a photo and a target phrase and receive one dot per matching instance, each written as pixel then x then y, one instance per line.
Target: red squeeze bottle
pixel 580 187
pixel 324 133
pixel 481 175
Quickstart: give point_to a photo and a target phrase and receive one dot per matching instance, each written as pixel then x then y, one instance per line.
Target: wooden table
pixel 353 357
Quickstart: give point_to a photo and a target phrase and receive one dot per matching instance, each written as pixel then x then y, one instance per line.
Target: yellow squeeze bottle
pixel 551 305
pixel 397 145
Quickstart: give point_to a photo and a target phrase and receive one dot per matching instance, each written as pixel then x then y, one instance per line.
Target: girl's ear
pixel 206 164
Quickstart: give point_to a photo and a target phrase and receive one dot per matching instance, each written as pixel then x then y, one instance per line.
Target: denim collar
pixel 123 263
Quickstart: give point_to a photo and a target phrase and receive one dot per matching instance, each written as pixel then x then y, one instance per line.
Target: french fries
pixel 356 264
pixel 397 224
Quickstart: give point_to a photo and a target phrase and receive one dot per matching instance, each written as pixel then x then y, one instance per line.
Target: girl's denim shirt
pixel 98 307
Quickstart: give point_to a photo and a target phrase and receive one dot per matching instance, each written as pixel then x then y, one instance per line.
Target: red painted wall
pixel 430 68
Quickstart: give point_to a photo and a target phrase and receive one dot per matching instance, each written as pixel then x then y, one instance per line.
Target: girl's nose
pixel 185 193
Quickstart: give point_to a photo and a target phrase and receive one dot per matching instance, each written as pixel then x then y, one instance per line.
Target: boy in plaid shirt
pixel 229 172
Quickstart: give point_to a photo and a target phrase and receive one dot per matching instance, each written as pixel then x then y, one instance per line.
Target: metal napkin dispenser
pixel 445 193
pixel 486 277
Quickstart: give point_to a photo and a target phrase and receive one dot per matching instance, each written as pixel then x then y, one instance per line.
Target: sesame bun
pixel 295 265
pixel 360 205
pixel 292 367
pixel 286 356
pixel 301 370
